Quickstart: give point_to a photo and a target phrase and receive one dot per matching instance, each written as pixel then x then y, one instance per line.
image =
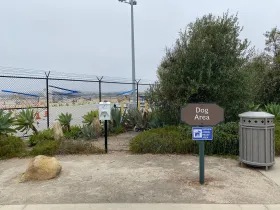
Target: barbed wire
pixel 35 73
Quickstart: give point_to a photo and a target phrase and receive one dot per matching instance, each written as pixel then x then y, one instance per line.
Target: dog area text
pixel 201 114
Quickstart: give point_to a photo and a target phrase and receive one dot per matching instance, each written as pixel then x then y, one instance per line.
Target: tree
pixel 271 87
pixel 257 69
pixel 272 43
pixel 204 65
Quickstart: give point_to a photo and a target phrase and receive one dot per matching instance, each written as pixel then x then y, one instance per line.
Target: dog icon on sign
pixel 197 133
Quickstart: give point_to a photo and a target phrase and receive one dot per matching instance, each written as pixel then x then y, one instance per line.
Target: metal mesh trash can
pixel 256 139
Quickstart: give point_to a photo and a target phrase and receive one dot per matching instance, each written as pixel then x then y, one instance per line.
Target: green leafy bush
pixel 135 118
pixel 154 119
pixel 45 135
pixel 25 121
pixel 68 147
pixel 6 122
pixel 65 120
pixel 116 131
pixel 159 140
pixel 74 133
pixel 178 139
pixel 11 146
pixel 48 148
pixel 88 132
pixel 90 116
pixel 116 121
pixel 273 109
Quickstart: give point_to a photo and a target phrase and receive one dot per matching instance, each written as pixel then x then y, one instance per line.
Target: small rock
pixel 97 127
pixel 41 168
pixel 57 130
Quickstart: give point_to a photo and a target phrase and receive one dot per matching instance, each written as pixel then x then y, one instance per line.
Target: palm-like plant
pixel 89 117
pixel 25 121
pixel 65 120
pixel 254 107
pixel 6 122
pixel 273 109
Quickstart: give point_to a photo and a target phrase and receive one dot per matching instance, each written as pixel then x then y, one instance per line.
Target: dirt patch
pixel 118 142
pixel 120 177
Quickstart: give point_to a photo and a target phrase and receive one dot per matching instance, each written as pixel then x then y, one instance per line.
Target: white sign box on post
pixel 104 111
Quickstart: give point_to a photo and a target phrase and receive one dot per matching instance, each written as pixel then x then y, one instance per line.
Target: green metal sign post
pixel 202 114
pixel 202 134
pixel 201 162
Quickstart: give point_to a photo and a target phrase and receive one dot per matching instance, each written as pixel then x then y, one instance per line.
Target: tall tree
pixel 204 65
pixel 272 43
pixel 271 89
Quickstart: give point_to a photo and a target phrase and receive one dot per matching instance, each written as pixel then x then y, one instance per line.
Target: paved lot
pixel 125 178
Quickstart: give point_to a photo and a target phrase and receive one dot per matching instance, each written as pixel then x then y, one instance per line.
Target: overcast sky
pixel 93 37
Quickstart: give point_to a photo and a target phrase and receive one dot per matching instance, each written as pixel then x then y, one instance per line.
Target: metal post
pixel 99 81
pixel 201 162
pixel 137 82
pixel 133 51
pixel 106 146
pixel 47 95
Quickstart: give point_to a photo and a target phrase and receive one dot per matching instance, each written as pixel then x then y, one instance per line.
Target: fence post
pixel 137 82
pixel 47 94
pixel 99 81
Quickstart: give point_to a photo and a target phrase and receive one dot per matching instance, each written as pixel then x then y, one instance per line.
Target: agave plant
pixel 116 117
pixel 154 119
pixel 254 107
pixel 6 122
pixel 65 120
pixel 25 121
pixel 273 109
pixel 88 132
pixel 90 116
pixel 136 119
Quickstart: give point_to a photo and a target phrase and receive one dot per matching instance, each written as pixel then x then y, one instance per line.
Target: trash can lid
pixel 256 115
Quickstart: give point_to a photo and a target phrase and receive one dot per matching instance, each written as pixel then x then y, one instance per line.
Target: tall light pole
pixel 132 3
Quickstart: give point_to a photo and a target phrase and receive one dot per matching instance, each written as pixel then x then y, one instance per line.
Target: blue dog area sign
pixel 202 133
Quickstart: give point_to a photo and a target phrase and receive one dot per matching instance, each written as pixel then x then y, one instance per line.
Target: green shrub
pixel 116 117
pixel 116 131
pixel 48 148
pixel 74 133
pixel 65 120
pixel 45 135
pixel 25 121
pixel 159 140
pixel 178 139
pixel 273 109
pixel 11 146
pixel 88 132
pixel 6 122
pixel 90 116
pixel 68 147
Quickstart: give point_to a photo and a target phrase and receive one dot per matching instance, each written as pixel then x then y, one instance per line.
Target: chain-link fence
pixel 49 94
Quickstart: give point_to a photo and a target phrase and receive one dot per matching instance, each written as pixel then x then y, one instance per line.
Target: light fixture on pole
pixel 132 3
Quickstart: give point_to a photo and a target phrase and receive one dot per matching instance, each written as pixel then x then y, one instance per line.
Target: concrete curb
pixel 127 206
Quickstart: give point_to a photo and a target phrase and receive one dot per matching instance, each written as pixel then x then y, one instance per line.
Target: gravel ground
pixel 116 143
pixel 120 177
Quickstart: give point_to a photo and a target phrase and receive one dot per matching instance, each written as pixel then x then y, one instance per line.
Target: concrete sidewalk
pixel 142 206
pixel 273 173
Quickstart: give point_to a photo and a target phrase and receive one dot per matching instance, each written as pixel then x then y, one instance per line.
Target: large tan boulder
pixel 97 127
pixel 57 130
pixel 41 168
